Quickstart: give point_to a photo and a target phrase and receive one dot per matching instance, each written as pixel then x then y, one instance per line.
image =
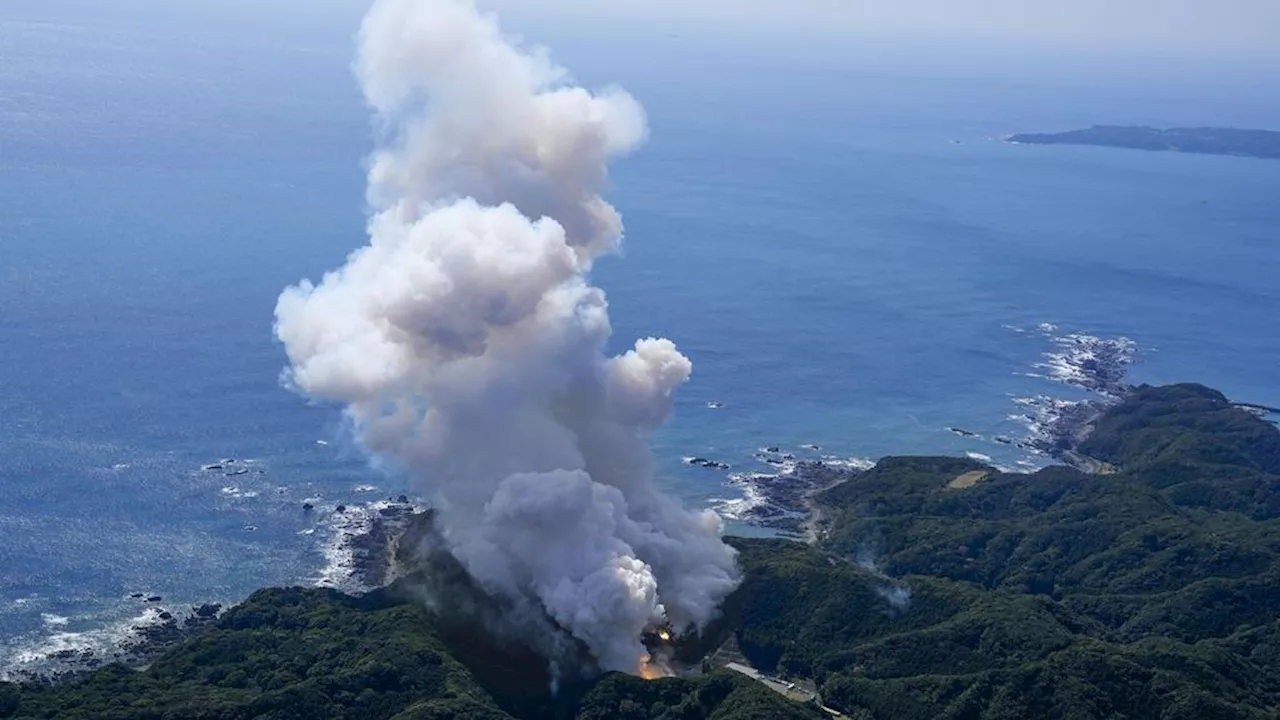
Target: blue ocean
pixel 844 247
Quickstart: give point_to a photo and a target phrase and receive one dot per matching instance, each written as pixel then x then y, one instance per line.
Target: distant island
pixel 932 587
pixel 1201 140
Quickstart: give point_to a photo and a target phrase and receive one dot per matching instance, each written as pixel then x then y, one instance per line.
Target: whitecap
pixel 341 557
pixel 41 654
pixel 739 508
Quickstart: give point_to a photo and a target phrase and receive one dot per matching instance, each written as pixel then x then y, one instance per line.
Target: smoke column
pixel 466 343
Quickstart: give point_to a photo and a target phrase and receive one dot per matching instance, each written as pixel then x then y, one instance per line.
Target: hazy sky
pixel 1218 27
pixel 1236 28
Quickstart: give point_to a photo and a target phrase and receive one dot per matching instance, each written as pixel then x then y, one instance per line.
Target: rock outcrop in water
pixel 781 500
pixel 1057 426
pixel 362 542
pixel 139 643
pixel 364 554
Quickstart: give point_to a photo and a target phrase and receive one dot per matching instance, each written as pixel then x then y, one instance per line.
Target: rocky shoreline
pixel 366 542
pixel 782 500
pixel 360 550
pixel 1057 426
pixel 363 554
pixel 141 641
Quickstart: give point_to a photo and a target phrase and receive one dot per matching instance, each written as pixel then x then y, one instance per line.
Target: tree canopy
pixel 1149 592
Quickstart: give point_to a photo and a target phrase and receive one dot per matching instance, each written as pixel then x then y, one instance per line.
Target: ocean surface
pixel 846 251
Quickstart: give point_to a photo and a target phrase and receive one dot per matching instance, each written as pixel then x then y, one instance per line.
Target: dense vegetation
pixel 1153 592
pixel 299 654
pixel 1149 592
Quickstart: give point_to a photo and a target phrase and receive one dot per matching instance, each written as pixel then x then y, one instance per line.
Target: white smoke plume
pixel 467 345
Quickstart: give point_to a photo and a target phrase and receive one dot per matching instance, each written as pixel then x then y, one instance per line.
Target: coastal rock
pixel 705 463
pixel 362 546
pixel 1057 426
pixel 207 610
pixel 781 500
pixel 149 637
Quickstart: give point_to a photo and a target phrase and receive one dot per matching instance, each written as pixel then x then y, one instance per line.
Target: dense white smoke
pixel 467 344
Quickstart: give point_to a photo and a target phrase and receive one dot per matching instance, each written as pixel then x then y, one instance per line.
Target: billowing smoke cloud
pixel 467 344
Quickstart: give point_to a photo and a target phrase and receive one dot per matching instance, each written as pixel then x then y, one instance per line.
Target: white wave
pixel 364 489
pixel 51 620
pixel 855 463
pixel 239 493
pixel 1089 362
pixel 339 567
pixel 754 497
pixel 341 555
pixel 37 654
pixel 739 508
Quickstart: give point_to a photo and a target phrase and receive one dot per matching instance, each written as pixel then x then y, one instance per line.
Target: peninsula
pixel 1200 140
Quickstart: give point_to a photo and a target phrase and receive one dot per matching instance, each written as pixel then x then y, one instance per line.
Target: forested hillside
pixel 297 654
pixel 1153 592
pixel 939 588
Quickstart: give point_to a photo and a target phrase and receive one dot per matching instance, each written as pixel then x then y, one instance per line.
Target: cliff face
pixel 939 588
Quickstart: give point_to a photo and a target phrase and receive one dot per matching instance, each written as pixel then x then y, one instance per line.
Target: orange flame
pixel 650 670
